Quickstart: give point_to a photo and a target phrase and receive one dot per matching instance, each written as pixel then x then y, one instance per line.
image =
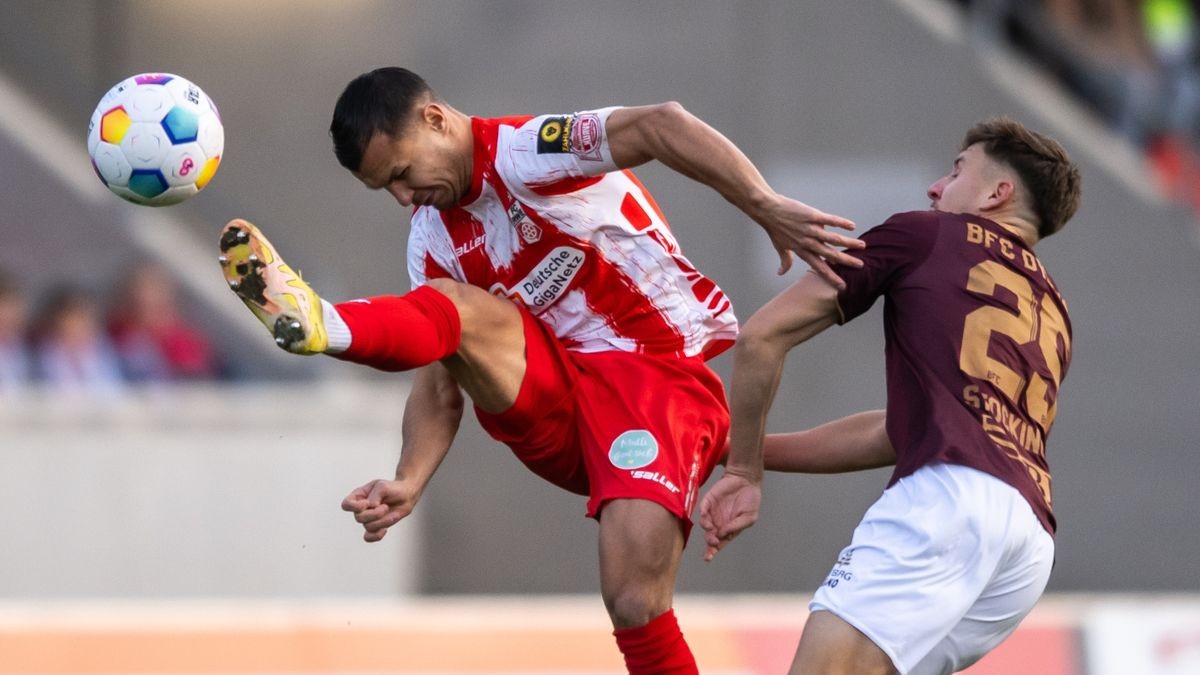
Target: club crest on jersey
pixel 633 449
pixel 530 232
pixel 547 282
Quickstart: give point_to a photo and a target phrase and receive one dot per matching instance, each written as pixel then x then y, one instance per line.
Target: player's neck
pixel 1017 225
pixel 464 139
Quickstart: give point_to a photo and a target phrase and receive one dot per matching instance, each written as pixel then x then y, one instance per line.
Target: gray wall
pixel 198 492
pixel 852 106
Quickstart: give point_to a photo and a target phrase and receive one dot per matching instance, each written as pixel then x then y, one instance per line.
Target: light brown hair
pixel 1045 170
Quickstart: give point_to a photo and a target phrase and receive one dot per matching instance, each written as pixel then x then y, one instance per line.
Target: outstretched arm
pixel 852 443
pixel 431 418
pixel 670 134
pixel 806 308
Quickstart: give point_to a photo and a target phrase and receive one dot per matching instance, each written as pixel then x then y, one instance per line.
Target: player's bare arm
pixel 805 309
pixel 670 134
pixel 853 443
pixel 431 418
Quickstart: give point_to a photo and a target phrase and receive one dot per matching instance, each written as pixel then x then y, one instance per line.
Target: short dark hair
pixel 378 101
pixel 1049 175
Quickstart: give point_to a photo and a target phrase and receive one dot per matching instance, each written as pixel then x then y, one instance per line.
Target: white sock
pixel 335 328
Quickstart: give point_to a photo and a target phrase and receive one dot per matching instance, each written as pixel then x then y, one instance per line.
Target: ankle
pixel 335 328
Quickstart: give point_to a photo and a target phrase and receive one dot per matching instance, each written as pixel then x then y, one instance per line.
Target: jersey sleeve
pixel 550 149
pixel 893 249
pixel 427 253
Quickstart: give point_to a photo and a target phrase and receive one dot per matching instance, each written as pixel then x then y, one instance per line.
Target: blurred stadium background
pixel 191 525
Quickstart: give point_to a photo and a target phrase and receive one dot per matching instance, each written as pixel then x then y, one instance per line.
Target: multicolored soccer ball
pixel 156 139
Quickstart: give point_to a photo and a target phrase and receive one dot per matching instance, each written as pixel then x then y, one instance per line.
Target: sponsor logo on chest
pixel 469 245
pixel 547 281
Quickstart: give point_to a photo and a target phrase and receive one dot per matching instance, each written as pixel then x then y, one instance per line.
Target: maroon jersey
pixel 978 341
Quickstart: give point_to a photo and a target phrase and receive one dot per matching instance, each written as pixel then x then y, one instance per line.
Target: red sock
pixel 656 648
pixel 392 332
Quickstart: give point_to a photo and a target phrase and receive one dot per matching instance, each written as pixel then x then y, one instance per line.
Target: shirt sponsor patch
pixel 633 449
pixel 555 135
pixel 580 135
pixel 585 136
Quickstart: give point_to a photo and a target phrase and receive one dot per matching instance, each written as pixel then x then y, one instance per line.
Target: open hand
pixel 796 227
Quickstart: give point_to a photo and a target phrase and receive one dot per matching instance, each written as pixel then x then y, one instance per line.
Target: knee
pixel 632 605
pixel 477 308
pixel 454 290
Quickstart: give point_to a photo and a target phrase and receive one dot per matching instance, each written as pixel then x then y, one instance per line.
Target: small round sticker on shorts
pixel 633 449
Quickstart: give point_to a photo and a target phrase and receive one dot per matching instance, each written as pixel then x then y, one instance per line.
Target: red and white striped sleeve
pixel 551 148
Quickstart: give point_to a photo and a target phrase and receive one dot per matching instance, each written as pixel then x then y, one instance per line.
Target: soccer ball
pixel 155 139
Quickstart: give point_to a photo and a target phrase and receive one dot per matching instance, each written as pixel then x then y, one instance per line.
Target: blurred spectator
pixel 1134 61
pixel 70 350
pixel 16 366
pixel 1171 34
pixel 153 341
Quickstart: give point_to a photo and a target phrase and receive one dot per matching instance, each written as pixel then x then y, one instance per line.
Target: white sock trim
pixel 335 328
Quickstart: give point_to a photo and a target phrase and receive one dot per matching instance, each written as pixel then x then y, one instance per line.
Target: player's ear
pixel 1003 192
pixel 434 115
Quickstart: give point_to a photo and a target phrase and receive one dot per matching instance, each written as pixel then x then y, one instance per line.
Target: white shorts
pixel 941 569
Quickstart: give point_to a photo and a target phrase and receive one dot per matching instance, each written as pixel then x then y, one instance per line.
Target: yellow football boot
pixel 281 300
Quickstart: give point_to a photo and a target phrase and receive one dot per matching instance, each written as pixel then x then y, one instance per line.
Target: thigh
pixel 640 548
pixel 490 362
pixel 541 427
pixel 830 645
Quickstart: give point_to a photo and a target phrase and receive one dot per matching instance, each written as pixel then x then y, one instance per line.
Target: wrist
pixel 748 473
pixel 757 202
pixel 409 476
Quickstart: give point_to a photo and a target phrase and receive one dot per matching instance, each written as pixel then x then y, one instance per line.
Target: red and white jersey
pixel 552 223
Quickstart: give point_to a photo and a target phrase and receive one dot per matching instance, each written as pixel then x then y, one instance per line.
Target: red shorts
pixel 615 425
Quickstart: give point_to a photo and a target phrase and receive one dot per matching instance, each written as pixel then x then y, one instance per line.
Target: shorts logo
pixel 839 573
pixel 554 135
pixel 655 477
pixel 837 576
pixel 633 449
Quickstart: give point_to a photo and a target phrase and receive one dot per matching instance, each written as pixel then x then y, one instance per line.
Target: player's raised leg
pixel 479 337
pixel 641 544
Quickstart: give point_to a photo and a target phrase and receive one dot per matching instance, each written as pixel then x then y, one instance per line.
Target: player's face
pixel 969 185
pixel 424 166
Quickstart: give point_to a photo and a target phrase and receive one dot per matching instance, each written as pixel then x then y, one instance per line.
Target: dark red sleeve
pixel 894 249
